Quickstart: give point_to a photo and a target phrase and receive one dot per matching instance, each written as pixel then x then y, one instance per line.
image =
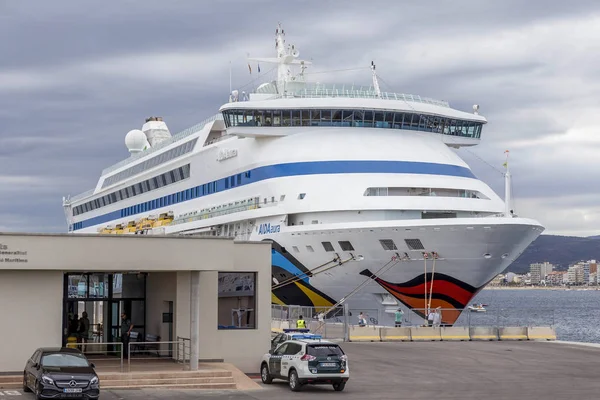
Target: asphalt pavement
pixel 433 370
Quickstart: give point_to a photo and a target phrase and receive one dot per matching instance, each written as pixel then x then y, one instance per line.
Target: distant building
pixel 576 274
pixel 555 278
pixel 538 272
pixel 593 278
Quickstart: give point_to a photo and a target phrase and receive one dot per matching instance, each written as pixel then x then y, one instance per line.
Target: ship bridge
pixel 350 107
pixel 290 102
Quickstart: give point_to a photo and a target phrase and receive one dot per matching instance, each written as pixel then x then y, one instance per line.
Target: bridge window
pixel 354 118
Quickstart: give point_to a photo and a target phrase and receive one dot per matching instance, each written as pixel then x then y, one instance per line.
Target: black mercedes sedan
pixel 60 373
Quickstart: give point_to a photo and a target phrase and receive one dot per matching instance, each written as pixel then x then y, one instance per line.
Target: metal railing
pixel 351 91
pixel 153 347
pixel 216 213
pixel 337 322
pixel 183 348
pixel 100 348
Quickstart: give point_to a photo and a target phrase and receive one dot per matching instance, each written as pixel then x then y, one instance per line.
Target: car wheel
pixel 264 374
pixel 294 382
pixel 338 387
pixel 25 387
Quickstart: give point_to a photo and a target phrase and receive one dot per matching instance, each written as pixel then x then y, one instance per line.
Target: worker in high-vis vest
pixel 300 323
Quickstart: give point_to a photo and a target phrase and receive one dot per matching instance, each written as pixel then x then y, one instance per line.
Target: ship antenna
pixel 507 183
pixel 375 81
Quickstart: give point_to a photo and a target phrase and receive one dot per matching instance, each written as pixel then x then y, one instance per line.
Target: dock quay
pixel 355 333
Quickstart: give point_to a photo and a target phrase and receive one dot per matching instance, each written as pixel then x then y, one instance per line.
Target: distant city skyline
pixel 74 80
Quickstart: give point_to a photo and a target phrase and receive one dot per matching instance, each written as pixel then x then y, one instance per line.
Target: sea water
pixel 574 313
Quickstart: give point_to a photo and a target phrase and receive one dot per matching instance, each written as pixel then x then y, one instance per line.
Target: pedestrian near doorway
pixel 126 327
pixel 84 329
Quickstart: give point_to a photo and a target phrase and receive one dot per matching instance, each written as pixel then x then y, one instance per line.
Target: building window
pixel 346 246
pixel 388 244
pixel 237 300
pixel 327 246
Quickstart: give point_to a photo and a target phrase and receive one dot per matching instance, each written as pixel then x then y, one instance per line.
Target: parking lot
pixel 440 370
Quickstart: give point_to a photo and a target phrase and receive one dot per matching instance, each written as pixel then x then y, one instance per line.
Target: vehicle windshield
pixel 64 360
pixel 325 350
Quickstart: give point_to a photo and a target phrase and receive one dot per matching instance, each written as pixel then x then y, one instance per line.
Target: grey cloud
pixel 88 74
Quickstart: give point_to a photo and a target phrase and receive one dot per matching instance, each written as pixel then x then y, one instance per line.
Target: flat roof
pixel 109 253
pixel 129 236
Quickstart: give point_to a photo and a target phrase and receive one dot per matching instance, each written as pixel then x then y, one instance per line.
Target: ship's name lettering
pixel 224 154
pixel 268 228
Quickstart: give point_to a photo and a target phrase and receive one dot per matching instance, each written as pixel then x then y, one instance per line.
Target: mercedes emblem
pixel 72 383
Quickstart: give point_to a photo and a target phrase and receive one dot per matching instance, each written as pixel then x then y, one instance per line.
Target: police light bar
pixel 296 330
pixel 309 336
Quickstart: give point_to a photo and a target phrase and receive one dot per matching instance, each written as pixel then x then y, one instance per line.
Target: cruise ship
pixel 360 192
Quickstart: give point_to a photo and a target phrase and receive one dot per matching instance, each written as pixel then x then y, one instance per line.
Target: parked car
pixel 58 373
pixel 306 361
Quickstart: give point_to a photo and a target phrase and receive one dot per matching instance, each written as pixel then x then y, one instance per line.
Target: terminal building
pixel 213 292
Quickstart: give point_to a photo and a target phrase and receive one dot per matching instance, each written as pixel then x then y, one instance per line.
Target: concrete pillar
pixel 194 319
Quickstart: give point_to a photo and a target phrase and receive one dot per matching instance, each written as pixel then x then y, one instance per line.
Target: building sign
pixel 224 154
pixel 264 229
pixel 8 255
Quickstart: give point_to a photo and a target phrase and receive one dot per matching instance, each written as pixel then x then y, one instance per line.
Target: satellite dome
pixel 136 141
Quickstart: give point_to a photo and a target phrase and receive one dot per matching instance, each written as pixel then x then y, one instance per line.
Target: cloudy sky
pixel 76 76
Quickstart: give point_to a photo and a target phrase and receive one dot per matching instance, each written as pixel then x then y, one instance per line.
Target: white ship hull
pixel 325 173
pixel 471 253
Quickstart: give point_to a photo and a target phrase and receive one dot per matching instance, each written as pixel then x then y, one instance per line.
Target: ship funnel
pixel 156 130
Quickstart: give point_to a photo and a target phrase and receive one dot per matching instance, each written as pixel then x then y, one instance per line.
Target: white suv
pixel 306 361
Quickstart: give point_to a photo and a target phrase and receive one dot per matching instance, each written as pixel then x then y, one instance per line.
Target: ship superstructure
pixel 349 183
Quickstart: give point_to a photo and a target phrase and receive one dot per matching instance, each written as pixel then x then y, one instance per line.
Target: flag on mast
pixel 250 68
pixel 505 165
pixel 258 68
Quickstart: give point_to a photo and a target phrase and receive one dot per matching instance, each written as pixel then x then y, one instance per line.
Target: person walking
pixel 126 327
pixel 84 329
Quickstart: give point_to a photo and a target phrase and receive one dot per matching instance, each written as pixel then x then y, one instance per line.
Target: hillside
pixel 559 250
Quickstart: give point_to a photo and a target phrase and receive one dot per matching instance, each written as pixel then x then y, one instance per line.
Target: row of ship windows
pixel 422 191
pixel 353 118
pixel 387 244
pixel 151 163
pixel 157 182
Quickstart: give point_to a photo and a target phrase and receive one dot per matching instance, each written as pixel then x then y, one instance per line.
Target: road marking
pixel 10 393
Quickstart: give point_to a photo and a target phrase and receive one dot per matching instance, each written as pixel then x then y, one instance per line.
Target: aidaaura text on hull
pixel 350 184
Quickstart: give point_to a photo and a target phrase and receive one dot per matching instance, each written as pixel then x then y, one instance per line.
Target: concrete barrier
pixel 276 326
pixel 395 334
pixel 484 333
pixel 455 333
pixel 541 333
pixel 364 334
pixel 512 333
pixel 423 333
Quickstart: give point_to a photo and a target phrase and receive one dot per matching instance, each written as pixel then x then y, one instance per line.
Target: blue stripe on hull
pixel 280 261
pixel 280 171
